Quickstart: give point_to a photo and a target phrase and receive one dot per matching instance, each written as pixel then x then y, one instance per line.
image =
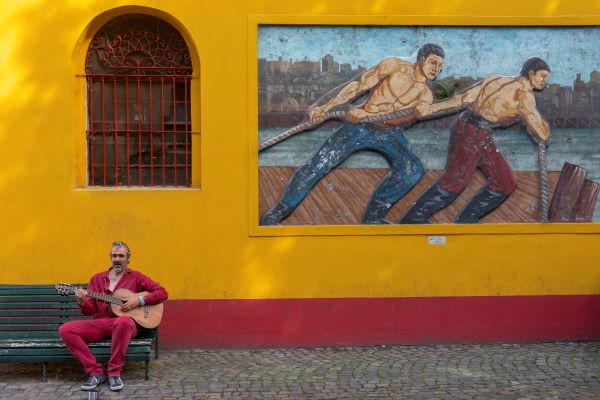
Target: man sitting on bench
pixel 104 324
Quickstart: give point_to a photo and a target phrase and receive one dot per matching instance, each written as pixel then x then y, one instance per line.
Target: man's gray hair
pixel 123 245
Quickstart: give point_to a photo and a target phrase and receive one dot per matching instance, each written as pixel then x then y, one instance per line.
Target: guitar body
pixel 148 316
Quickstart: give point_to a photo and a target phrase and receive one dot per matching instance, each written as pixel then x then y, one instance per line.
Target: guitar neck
pixel 104 297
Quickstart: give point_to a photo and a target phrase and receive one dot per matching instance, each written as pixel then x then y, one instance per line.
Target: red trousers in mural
pixel 472 147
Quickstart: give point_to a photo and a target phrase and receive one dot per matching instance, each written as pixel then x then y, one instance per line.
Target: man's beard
pixel 118 268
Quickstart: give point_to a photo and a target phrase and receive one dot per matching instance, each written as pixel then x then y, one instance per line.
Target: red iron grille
pixel 138 73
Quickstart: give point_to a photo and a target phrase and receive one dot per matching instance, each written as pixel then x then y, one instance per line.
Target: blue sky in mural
pixel 472 51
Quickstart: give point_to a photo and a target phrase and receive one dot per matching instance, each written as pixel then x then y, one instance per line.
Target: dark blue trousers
pixel 405 170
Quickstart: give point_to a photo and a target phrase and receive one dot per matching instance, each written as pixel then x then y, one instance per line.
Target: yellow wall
pixel 204 242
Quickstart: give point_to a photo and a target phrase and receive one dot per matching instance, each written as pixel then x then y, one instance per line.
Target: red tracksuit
pixel 105 325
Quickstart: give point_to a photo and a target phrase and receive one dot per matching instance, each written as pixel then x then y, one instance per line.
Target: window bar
pixel 151 137
pixel 139 117
pixel 187 133
pixel 103 134
pixel 91 136
pixel 115 131
pixel 127 130
pixel 174 131
pixel 162 108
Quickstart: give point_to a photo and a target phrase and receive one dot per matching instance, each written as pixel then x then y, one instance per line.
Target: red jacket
pixel 131 280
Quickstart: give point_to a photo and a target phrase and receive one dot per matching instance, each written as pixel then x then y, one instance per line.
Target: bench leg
pixel 156 348
pixel 45 372
pixel 147 370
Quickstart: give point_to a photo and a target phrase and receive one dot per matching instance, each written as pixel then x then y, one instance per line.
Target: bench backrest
pixel 35 311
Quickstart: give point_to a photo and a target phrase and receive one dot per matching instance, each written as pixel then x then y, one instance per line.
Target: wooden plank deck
pixel 340 197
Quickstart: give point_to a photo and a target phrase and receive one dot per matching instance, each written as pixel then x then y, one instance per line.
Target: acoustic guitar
pixel 148 316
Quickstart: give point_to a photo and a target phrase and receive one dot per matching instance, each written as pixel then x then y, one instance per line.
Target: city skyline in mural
pixel 287 86
pixel 470 51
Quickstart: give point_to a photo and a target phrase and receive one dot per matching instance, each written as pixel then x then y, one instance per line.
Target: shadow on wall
pixel 36 130
pixel 37 146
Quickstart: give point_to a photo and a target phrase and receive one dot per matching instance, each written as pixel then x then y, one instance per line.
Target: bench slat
pixel 8 335
pixel 48 306
pixel 25 285
pixel 57 342
pixel 56 298
pixel 31 289
pixel 27 328
pixel 46 351
pixel 67 358
pixel 28 320
pixel 33 313
pixel 27 291
pixel 33 335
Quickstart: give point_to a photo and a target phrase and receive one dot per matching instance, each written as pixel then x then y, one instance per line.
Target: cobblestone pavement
pixel 495 371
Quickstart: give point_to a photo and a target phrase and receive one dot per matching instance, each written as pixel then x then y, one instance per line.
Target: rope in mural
pixel 543 181
pixel 332 115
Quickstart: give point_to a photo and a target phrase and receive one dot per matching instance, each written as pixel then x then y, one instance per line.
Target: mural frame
pixel 255 229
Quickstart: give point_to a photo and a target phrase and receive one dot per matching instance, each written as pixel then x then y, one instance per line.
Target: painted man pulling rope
pixel 497 101
pixel 394 86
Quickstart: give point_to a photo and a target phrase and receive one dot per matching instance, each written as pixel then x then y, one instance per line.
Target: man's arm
pixel 460 100
pixel 352 90
pixel 157 293
pixel 536 124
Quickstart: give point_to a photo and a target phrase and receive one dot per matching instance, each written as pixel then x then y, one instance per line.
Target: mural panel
pixel 417 125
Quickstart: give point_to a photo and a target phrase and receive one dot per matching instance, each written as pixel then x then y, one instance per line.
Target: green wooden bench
pixel 30 316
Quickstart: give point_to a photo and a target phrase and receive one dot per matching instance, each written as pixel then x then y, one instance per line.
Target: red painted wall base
pixel 368 321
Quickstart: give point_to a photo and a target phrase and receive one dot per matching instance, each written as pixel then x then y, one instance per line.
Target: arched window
pixel 138 70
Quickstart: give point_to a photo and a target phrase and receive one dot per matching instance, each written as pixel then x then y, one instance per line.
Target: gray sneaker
pixel 93 381
pixel 115 383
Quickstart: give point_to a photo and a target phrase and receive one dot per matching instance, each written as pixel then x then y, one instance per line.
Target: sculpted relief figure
pixel 393 85
pixel 495 102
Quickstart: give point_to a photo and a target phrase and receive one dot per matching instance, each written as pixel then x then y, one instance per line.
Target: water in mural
pixel 416 125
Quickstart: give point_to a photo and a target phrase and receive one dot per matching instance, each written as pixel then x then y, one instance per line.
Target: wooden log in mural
pixel 566 196
pixel 584 208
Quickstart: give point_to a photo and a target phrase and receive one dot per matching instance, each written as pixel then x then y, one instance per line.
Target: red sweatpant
pixel 76 335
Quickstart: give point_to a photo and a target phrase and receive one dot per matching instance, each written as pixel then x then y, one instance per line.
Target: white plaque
pixel 436 240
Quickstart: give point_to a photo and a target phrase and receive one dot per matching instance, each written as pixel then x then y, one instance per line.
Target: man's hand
pixel 80 296
pixel 316 115
pixel 356 115
pixel 424 110
pixel 539 140
pixel 130 304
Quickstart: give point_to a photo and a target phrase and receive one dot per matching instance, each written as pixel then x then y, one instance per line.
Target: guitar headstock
pixel 65 289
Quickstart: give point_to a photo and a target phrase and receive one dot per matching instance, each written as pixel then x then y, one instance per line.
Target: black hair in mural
pixel 428 49
pixel 534 64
